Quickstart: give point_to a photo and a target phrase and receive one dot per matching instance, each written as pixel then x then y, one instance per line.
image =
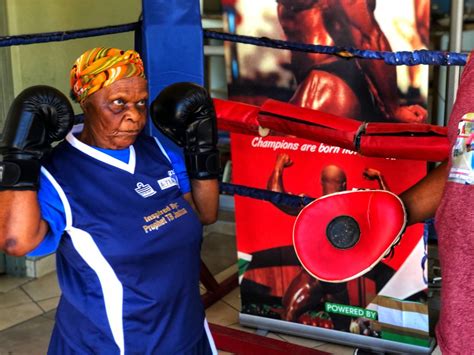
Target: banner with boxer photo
pixel 388 302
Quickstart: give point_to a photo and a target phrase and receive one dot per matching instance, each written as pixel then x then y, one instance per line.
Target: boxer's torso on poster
pixel 128 264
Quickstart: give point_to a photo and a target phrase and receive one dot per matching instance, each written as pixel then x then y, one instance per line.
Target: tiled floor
pixel 24 299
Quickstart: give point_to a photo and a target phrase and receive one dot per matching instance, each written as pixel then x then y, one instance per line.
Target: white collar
pixel 97 154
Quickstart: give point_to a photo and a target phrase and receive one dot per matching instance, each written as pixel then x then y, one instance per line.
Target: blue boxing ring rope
pixel 418 57
pixel 59 36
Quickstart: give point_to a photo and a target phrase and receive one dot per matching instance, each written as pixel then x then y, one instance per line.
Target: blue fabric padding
pixel 172 49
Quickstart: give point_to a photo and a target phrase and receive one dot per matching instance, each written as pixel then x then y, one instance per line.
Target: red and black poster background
pixel 273 283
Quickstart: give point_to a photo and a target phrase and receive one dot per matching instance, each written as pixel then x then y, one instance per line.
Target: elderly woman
pixel 115 206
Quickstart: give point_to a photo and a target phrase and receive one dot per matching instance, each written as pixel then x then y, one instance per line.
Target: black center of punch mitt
pixel 343 232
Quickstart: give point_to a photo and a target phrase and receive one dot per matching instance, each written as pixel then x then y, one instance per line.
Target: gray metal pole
pixel 455 45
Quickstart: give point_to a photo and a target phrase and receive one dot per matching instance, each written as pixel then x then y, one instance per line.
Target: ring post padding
pixel 172 46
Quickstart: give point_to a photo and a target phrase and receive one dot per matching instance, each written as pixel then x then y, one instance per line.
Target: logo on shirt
pixel 169 181
pixel 144 190
pixel 462 170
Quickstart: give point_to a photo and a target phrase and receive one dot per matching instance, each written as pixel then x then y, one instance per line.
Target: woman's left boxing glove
pixel 39 116
pixel 185 113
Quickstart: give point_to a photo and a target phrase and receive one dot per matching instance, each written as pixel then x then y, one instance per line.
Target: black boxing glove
pixel 39 116
pixel 184 112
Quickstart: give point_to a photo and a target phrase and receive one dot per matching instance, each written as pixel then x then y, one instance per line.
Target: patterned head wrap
pixel 100 67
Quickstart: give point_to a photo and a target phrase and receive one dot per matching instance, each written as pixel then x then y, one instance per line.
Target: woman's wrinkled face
pixel 116 114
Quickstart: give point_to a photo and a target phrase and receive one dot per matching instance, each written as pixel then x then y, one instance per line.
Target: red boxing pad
pixel 236 117
pixel 309 124
pixel 341 236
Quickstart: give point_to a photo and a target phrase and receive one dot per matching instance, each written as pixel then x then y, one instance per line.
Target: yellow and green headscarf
pixel 100 67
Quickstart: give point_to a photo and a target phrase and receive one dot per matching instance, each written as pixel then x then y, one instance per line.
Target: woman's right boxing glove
pixel 39 116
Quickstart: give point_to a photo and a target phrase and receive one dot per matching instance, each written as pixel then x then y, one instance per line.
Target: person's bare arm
pixel 21 226
pixel 301 296
pixel 365 33
pixel 422 200
pixel 204 199
pixel 275 183
pixel 374 174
